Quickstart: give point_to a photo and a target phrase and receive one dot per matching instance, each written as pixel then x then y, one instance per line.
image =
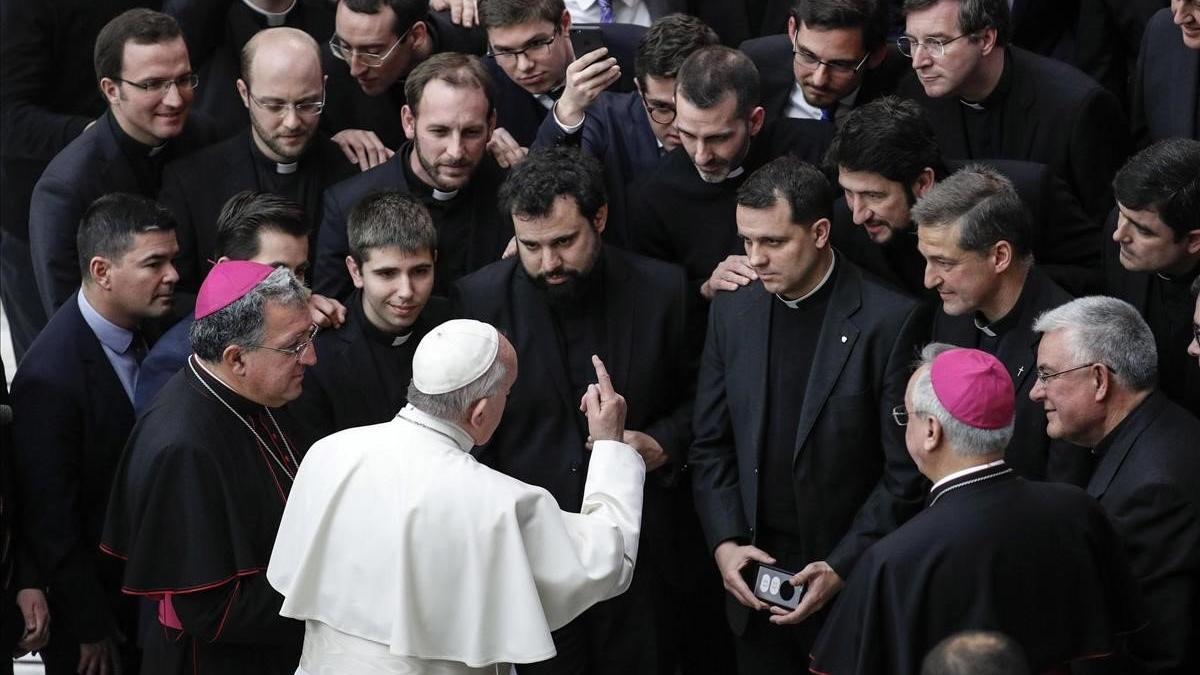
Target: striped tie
pixel 606 11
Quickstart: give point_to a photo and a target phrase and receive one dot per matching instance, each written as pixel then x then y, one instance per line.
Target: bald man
pixel 282 152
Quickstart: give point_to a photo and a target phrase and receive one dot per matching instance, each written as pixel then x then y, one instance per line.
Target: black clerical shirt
pixel 299 181
pixel 452 216
pixel 390 354
pixel 794 334
pixel 989 335
pixel 1169 309
pixel 983 120
pixel 147 162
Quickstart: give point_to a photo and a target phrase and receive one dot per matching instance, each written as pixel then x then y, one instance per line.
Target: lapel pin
pixel 1020 370
pixel 843 338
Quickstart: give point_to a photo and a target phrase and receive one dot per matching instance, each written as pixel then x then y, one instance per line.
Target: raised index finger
pixel 602 378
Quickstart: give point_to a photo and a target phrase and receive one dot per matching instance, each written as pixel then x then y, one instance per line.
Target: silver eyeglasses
pixel 900 415
pixel 281 108
pixel 1045 377
pixel 163 87
pixel 297 350
pixel 933 46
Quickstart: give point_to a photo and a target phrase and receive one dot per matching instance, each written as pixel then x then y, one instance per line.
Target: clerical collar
pixel 441 427
pixel 418 187
pixel 1003 324
pixel 371 331
pixel 273 18
pixel 129 145
pixel 1184 280
pixel 281 168
pixel 821 284
pixel 969 476
pixel 999 93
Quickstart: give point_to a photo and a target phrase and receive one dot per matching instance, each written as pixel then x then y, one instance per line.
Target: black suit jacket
pixel 227 169
pixel 1148 481
pixel 92 166
pixel 490 229
pixel 854 480
pixel 1054 115
pixel 519 113
pixel 1066 242
pixel 344 389
pixel 1030 452
pixel 71 420
pixel 1166 94
pixel 774 58
pixel 541 437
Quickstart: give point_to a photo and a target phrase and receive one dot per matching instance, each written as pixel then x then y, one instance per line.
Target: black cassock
pixel 195 506
pixel 1036 561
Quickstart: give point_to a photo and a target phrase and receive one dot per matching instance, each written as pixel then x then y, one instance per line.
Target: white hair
pixel 1100 329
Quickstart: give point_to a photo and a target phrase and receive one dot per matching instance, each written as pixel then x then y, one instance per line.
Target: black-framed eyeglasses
pixel 810 60
pixel 297 350
pixel 933 46
pixel 658 112
pixel 1045 377
pixel 281 108
pixel 347 53
pixel 163 87
pixel 900 415
pixel 533 49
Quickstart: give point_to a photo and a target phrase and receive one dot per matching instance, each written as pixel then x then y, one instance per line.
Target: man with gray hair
pixel 200 489
pixel 1097 379
pixel 468 570
pixel 991 550
pixel 976 238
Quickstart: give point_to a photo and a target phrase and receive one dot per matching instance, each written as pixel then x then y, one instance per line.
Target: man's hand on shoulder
pixel 507 151
pixel 326 312
pixel 363 148
pixel 731 274
pixel 587 76
pixel 464 13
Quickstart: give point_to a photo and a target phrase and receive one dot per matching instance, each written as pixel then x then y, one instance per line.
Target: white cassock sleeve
pixel 391 534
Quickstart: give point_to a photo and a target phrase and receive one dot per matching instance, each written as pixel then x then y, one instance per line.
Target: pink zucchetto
pixel 974 388
pixel 227 283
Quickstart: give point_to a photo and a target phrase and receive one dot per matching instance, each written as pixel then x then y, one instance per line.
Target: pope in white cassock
pixel 404 555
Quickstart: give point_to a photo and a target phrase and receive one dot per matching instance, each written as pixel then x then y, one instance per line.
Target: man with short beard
pixel 684 213
pixel 564 297
pixel 282 152
pixel 449 120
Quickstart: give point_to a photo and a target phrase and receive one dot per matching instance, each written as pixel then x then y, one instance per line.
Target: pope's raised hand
pixel 604 407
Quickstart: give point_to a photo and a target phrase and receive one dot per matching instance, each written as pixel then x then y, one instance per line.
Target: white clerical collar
pixel 451 431
pixel 401 339
pixel 736 172
pixel 824 280
pixel 965 472
pixel 157 149
pixel 799 108
pixel 286 169
pixel 972 106
pixel 444 196
pixel 273 18
pixel 545 99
